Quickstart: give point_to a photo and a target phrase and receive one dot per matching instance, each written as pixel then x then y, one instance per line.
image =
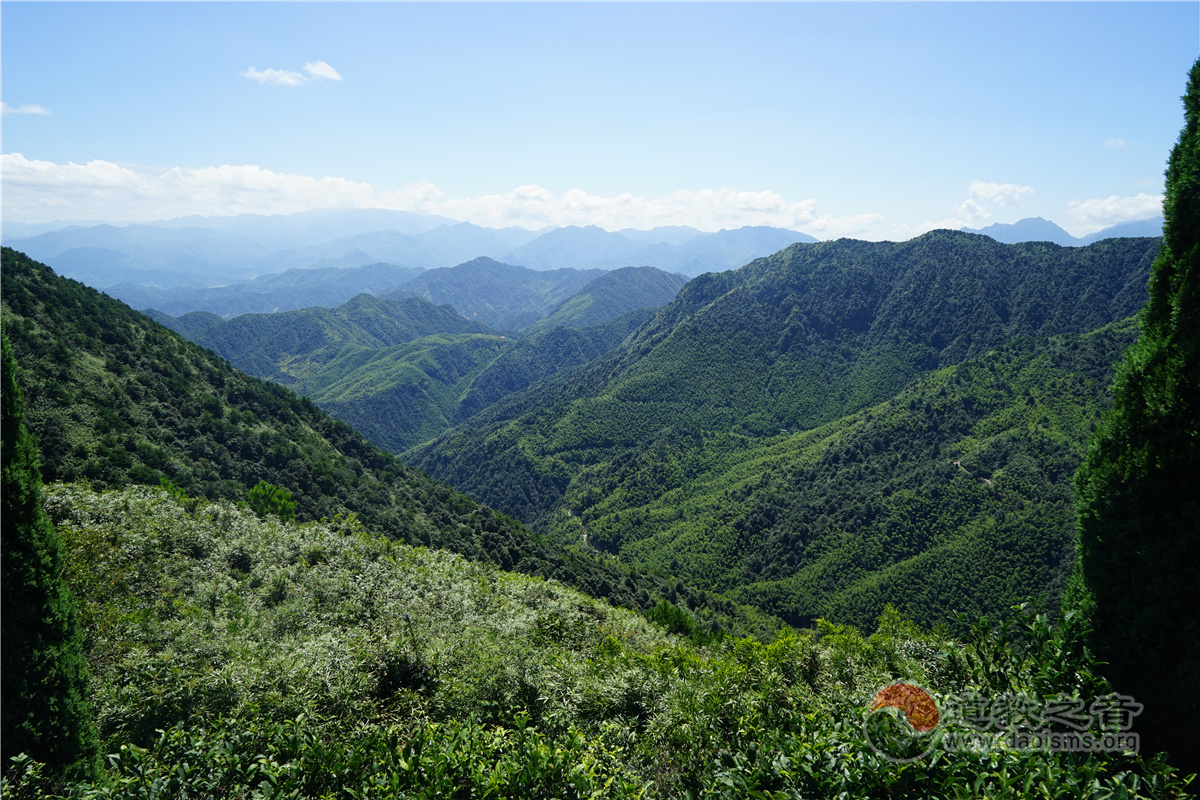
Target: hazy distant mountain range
pixel 1036 229
pixel 265 264
pixel 199 253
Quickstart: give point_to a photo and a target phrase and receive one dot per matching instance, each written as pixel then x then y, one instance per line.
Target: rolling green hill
pixel 286 347
pixel 403 395
pixel 611 295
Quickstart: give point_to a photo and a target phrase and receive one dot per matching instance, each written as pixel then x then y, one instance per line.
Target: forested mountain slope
pixel 239 656
pixel 115 399
pixel 403 395
pixel 953 497
pixel 611 295
pixel 287 347
pixel 501 296
pixel 789 342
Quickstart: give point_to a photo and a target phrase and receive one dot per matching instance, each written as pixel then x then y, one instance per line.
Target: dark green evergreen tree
pixel 267 498
pixel 45 680
pixel 1139 487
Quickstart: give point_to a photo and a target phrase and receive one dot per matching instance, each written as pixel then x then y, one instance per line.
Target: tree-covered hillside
pixel 612 295
pixel 789 342
pixel 953 497
pixel 407 394
pixel 114 399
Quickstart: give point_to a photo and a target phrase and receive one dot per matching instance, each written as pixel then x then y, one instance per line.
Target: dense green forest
pixel 789 342
pixel 713 444
pixel 113 398
pixel 241 645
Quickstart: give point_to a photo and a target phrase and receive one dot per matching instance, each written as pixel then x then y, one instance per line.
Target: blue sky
pixel 844 119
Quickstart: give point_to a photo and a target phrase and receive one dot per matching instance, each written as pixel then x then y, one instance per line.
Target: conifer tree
pixel 1139 487
pixel 44 679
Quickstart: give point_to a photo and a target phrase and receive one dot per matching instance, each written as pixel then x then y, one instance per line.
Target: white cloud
pixel 972 212
pixel 39 191
pixel 1000 193
pixel 317 70
pixel 275 77
pixel 1089 216
pixel 27 108
pixel 322 71
pixel 706 209
pixel 1115 143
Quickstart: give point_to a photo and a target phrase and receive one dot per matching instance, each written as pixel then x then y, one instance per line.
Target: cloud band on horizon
pixel 43 191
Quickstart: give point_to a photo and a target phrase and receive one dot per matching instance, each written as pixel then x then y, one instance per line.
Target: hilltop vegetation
pixel 235 655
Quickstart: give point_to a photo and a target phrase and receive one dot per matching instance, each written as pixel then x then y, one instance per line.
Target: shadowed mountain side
pixel 502 296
